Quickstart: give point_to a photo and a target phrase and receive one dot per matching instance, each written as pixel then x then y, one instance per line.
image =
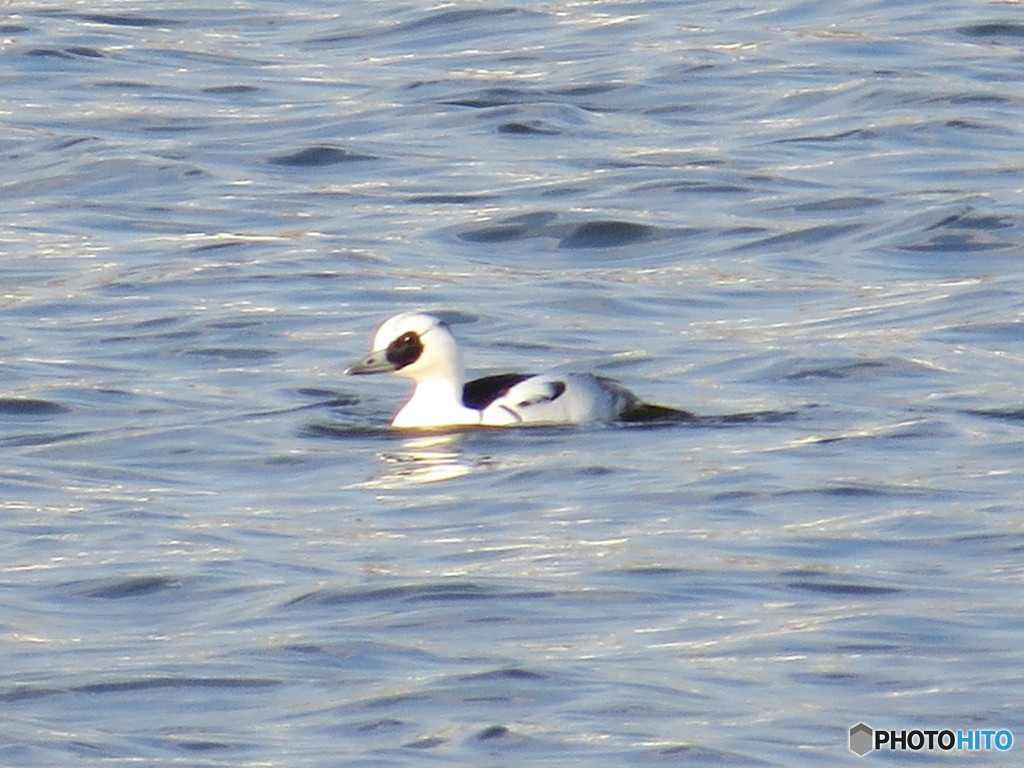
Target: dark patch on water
pixel 319 156
pixel 957 243
pixel 993 30
pixel 984 333
pixel 231 89
pixel 81 50
pixel 843 370
pixel 217 246
pixel 609 234
pixel 447 18
pixel 453 199
pixel 28 406
pixel 803 237
pixel 505 96
pixel 72 52
pixel 817 580
pixel 1011 415
pixel 412 593
pixel 829 678
pixel 495 733
pixel 802 369
pixel 71 141
pixel 28 692
pixel 599 233
pixel 427 742
pixel 509 673
pixel 528 127
pixel 843 589
pixel 116 589
pixel 158 683
pixel 344 431
pixel 693 187
pixel 495 234
pixel 857 133
pixel 742 419
pixel 513 228
pixel 653 570
pixel 845 203
pixel 43 438
pixel 966 230
pixel 197 745
pixel 329 398
pixel 498 97
pixel 124 20
pixel 382 725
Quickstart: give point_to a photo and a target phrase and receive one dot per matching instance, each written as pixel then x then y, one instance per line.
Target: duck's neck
pixel 436 403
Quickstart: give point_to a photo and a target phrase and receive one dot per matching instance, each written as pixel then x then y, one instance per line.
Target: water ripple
pixel 799 223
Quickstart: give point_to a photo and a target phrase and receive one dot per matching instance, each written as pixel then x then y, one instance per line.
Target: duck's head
pixel 412 344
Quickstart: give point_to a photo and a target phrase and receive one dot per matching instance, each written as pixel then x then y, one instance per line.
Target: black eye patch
pixel 404 350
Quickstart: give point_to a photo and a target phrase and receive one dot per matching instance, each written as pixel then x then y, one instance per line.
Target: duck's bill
pixel 377 362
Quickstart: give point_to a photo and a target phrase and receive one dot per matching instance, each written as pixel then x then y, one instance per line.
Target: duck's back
pixel 573 398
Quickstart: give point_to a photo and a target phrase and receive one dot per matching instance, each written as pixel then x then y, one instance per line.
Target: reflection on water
pixel 422 459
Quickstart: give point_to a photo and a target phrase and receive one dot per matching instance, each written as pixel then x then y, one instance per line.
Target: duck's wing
pixel 572 398
pixel 519 399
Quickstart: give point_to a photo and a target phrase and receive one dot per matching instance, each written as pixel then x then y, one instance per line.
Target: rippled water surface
pixel 802 222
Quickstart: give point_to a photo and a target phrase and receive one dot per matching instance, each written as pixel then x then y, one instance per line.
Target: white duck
pixel 422 347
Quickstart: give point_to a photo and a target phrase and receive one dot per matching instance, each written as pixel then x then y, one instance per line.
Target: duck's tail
pixel 644 413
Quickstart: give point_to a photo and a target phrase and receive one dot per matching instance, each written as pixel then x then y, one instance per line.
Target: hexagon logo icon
pixel 862 739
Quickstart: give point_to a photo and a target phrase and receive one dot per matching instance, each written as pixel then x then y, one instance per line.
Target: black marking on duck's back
pixel 404 350
pixel 480 393
pixel 555 390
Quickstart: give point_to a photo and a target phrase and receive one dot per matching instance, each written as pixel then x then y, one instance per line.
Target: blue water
pixel 801 222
